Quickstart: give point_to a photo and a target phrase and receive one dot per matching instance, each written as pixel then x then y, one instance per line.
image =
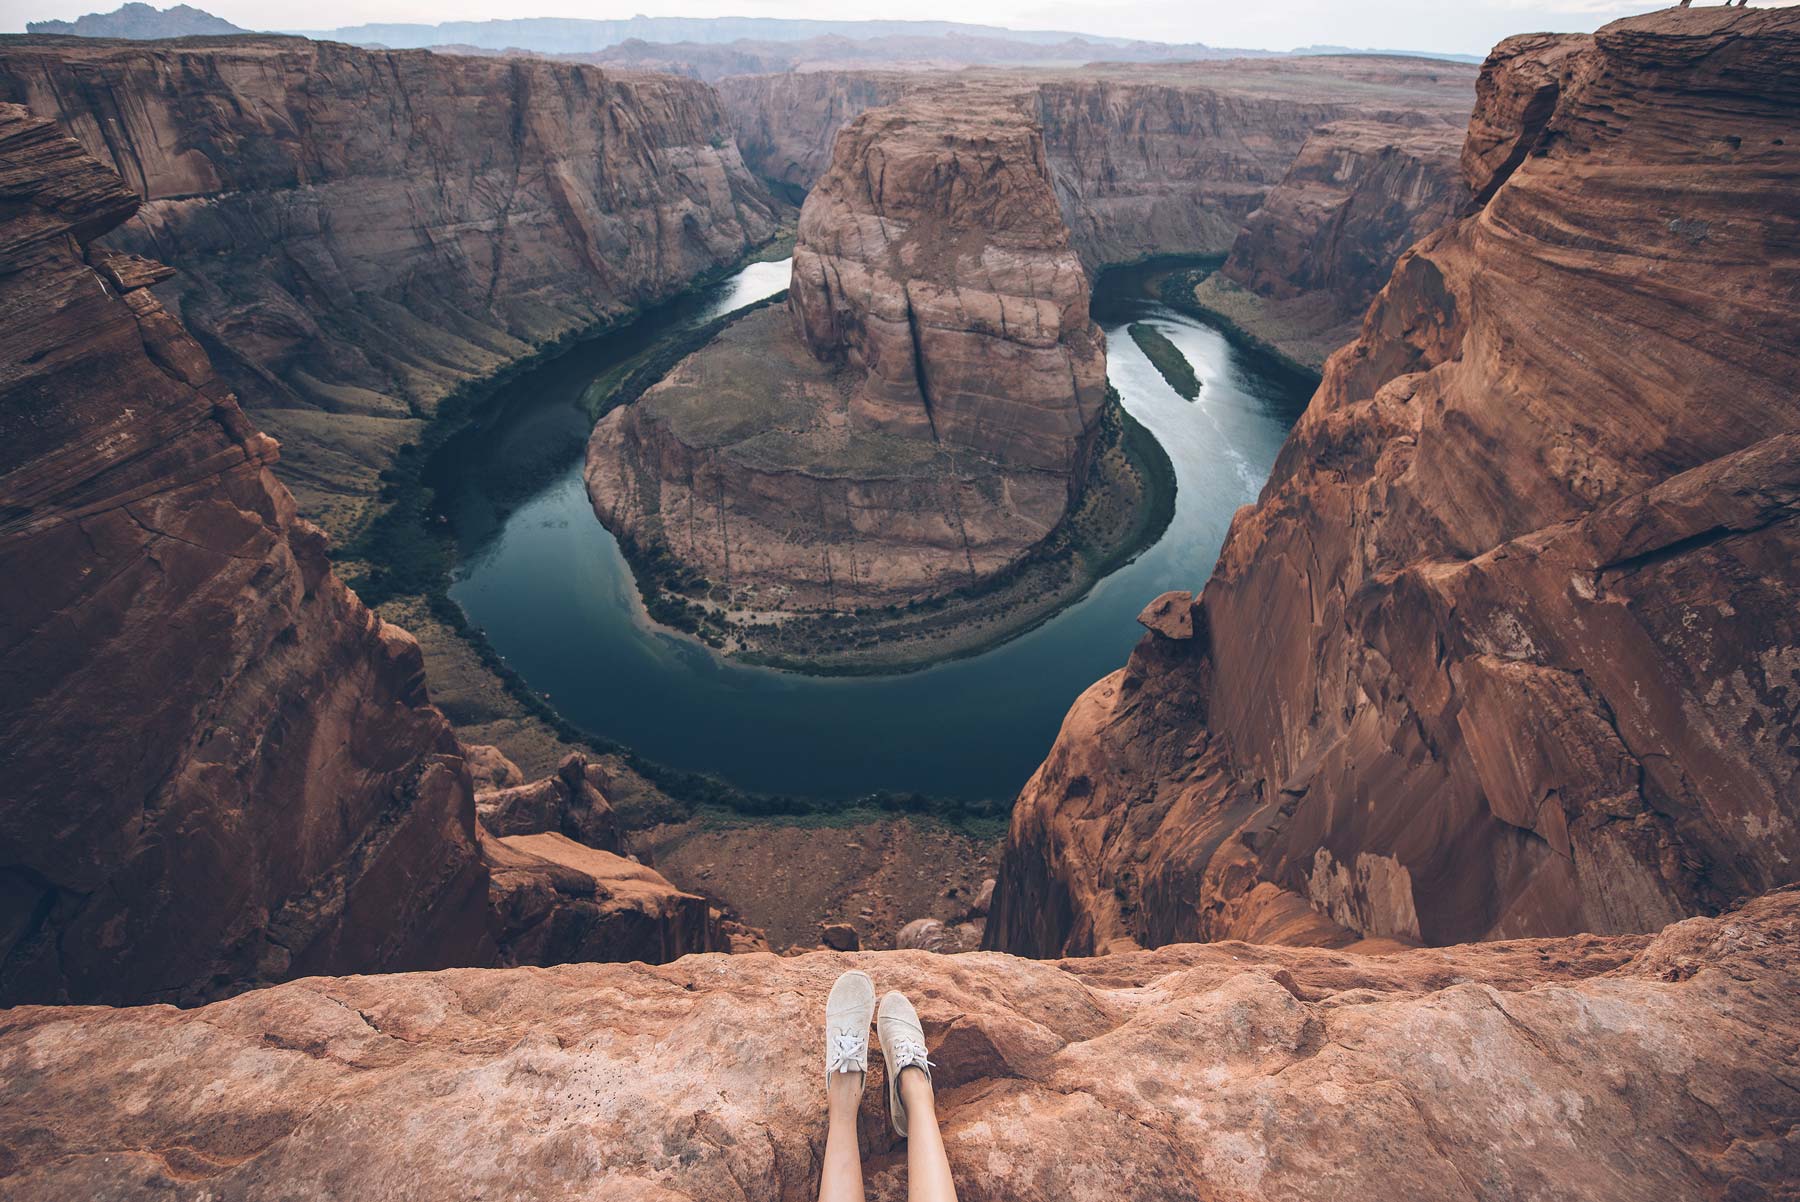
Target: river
pixel 548 585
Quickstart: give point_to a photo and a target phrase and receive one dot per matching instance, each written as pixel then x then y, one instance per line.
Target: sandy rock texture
pixel 358 231
pixel 221 769
pixel 1608 1069
pixel 1325 239
pixel 1508 644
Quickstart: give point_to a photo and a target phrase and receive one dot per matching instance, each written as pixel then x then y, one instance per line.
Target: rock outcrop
pixel 556 901
pixel 359 231
pixel 933 262
pixel 926 417
pixel 221 769
pixel 1325 239
pixel 1607 1069
pixel 1508 645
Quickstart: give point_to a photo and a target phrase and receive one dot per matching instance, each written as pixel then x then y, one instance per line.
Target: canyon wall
pixel 1507 646
pixel 359 231
pixel 1146 159
pixel 221 769
pixel 1606 1069
pixel 1323 241
pixel 785 125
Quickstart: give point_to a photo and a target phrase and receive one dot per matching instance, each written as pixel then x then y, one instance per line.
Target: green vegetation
pixel 1176 290
pixel 1168 359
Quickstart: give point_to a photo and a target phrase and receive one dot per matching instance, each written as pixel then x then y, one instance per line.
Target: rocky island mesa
pixel 929 409
pixel 1509 643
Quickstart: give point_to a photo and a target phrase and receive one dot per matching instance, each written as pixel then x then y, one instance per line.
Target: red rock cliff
pixel 932 257
pixel 358 231
pixel 1508 644
pixel 221 769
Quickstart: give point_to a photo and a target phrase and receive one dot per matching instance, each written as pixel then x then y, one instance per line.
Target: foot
pixel 847 1014
pixel 903 1047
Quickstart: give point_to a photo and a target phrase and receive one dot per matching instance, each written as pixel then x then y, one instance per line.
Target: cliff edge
pixel 1507 645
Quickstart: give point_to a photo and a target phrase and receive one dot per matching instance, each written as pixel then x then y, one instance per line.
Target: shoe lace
pixel 908 1052
pixel 847 1053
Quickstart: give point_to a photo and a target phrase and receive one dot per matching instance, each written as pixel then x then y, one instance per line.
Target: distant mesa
pixel 140 22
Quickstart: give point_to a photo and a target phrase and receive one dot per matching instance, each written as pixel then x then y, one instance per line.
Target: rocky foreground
pixel 1508 645
pixel 1607 1069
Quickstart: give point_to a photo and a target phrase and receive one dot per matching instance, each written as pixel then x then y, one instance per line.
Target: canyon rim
pixel 1406 450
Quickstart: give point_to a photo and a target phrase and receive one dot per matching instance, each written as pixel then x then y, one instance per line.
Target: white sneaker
pixel 902 1046
pixel 847 1014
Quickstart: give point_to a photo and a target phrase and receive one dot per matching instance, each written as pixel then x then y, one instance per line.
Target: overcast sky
pixel 1464 26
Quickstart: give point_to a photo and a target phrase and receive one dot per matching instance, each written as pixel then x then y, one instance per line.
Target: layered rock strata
pixel 1324 239
pixel 920 418
pixel 1608 1069
pixel 359 231
pixel 221 769
pixel 1146 159
pixel 1507 645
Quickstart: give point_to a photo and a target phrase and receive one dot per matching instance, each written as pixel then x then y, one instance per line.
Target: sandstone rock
pixel 984 898
pixel 932 260
pixel 359 231
pixel 554 901
pixel 839 936
pixel 934 935
pixel 1325 239
pixel 568 803
pixel 221 769
pixel 1607 1069
pixel 1499 651
pixel 489 769
pixel 1170 615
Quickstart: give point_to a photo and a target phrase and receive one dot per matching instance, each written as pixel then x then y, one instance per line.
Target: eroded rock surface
pixel 1508 645
pixel 221 769
pixel 1324 239
pixel 933 261
pixel 1608 1069
pixel 359 231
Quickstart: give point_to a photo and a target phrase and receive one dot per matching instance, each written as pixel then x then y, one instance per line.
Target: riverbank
pixel 1124 505
pixel 1287 334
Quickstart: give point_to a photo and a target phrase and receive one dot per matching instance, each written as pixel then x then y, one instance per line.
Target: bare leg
pixel 927 1168
pixel 841 1180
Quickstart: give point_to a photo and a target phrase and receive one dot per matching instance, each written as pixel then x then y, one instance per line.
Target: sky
pixel 1442 26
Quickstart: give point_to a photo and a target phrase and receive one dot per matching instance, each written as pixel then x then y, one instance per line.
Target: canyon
pixel 358 233
pixel 919 419
pixel 1147 159
pixel 1442 845
pixel 276 795
pixel 1505 646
